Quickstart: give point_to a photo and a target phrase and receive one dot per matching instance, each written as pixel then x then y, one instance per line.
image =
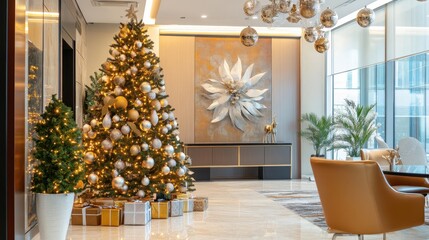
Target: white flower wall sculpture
pixel 234 95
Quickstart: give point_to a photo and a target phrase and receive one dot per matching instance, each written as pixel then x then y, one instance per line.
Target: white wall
pixel 313 90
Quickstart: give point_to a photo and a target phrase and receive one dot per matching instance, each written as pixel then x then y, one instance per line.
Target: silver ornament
pixel 119 164
pixel 116 118
pixel 164 116
pixel 107 121
pixel 181 156
pixel 309 8
pixel 140 193
pixel 170 187
pixel 91 134
pixel 114 52
pixel 115 134
pixel 89 157
pixel 147 64
pixel 328 18
pixel 162 89
pixel 118 182
pixel 145 181
pixel 164 102
pixel 106 144
pixel 92 178
pixel 145 87
pixel 176 132
pixel 149 163
pixel 168 126
pixel 145 125
pixel 156 143
pixel 250 7
pixel 189 160
pixel 119 80
pixel 156 104
pixel 133 69
pixel 139 44
pixel 321 45
pixel 94 123
pixel 86 128
pixel 151 95
pixel 117 91
pixel 124 188
pixel 169 149
pixel 365 17
pixel 115 173
pixel 175 124
pixel 172 163
pixel 171 116
pixel 122 57
pixel 249 37
pixel 134 150
pixel 125 129
pixel 180 172
pixel 310 34
pixel 183 189
pixel 164 130
pixel 165 170
pixel 162 82
pixel 138 103
pixel 145 147
pixel 154 118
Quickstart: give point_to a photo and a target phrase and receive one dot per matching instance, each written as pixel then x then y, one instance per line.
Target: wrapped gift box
pixel 201 204
pixel 137 213
pixel 160 209
pixel 176 208
pixel 111 217
pixel 86 215
pixel 120 202
pixel 103 202
pixel 182 195
pixel 188 205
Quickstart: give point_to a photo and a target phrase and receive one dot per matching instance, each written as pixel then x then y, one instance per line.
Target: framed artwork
pixel 232 89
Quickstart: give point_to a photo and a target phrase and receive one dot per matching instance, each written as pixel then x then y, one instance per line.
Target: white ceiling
pixel 188 12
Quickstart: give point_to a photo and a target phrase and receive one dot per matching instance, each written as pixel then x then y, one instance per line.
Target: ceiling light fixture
pixel 203 16
pixel 307 13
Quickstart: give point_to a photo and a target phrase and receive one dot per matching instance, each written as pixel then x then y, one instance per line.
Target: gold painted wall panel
pixel 177 60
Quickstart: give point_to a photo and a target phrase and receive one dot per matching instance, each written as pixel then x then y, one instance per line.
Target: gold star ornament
pixel 131 13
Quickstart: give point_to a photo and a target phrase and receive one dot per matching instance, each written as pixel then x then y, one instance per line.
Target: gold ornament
pixel 107 99
pixel 121 102
pixel 92 178
pixel 309 8
pixel 328 18
pixel 248 36
pixel 89 157
pixel 133 115
pixel 365 17
pixel 293 15
pixel 118 182
pixel 250 7
pixel 321 45
pixel 134 150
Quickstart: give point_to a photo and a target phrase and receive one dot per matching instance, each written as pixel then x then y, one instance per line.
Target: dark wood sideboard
pixel 212 161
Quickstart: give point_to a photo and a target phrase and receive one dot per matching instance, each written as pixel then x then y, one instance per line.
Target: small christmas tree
pixel 132 144
pixel 59 166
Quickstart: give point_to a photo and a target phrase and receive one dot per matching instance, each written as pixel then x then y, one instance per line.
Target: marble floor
pixel 236 211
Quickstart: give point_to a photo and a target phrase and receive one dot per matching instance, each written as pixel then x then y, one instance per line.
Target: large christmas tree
pixel 132 144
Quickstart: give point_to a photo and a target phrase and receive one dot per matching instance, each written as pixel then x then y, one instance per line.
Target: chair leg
pixel 384 236
pixel 334 236
pixel 360 236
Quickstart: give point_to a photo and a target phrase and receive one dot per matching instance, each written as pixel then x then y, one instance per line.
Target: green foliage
pixel 355 125
pixel 92 94
pixel 319 131
pixel 58 151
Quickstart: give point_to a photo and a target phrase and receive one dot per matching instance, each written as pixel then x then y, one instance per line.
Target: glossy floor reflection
pixel 236 211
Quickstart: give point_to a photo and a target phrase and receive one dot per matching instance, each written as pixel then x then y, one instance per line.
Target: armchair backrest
pixel 375 155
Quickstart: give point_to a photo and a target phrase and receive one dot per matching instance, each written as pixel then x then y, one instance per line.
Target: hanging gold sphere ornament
pixel 89 157
pixel 140 193
pixel 86 128
pixel 121 102
pixel 164 102
pixel 321 45
pixel 145 181
pixel 134 150
pixel 309 8
pixel 118 182
pixel 145 147
pixel 249 37
pixel 92 178
pixel 133 115
pixel 125 129
pixel 310 34
pixel 119 80
pixel 92 134
pixel 365 17
pixel 133 69
pixel 328 18
pixel 93 123
pixel 250 7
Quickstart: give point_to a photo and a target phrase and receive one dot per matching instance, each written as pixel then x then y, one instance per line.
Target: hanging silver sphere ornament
pixel 164 102
pixel 145 181
pixel 89 157
pixel 164 130
pixel 365 17
pixel 140 193
pixel 115 134
pixel 138 44
pixel 124 188
pixel 309 8
pixel 156 143
pixel 249 37
pixel 169 187
pixel 134 150
pixel 156 104
pixel 164 116
pixel 168 126
pixel 171 116
pixel 115 173
pixel 169 149
pixel 114 52
pixel 119 80
pixel 133 69
pixel 250 7
pixel 180 172
pixel 122 58
pixel 172 163
pixel 165 170
pixel 138 103
pixel 86 128
pixel 321 45
pixel 145 125
pixel 125 129
pixel 147 64
pixel 176 132
pixel 181 156
pixel 151 95
pixel 119 164
pixel 107 144
pixel 118 182
pixel 92 178
pixel 117 91
pixel 149 163
pixel 268 13
pixel 310 34
pixel 328 18
pixel 145 87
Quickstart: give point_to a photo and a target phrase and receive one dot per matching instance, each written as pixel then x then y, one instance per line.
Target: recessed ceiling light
pixel 255 17
pixel 203 16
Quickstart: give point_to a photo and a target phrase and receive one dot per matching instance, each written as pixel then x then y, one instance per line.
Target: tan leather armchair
pixel 356 199
pixel 400 183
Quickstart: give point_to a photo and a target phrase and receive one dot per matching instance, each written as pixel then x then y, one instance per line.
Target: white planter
pixel 53 214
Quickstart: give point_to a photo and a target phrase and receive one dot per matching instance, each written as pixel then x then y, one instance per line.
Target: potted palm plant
pixel 319 132
pixel 355 126
pixel 57 170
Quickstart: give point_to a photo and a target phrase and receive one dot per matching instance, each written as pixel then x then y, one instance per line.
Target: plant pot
pixel 319 156
pixel 53 214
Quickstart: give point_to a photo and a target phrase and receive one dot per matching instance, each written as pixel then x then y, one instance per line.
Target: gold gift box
pixel 182 195
pixel 88 215
pixel 103 202
pixel 188 205
pixel 201 204
pixel 111 217
pixel 160 209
